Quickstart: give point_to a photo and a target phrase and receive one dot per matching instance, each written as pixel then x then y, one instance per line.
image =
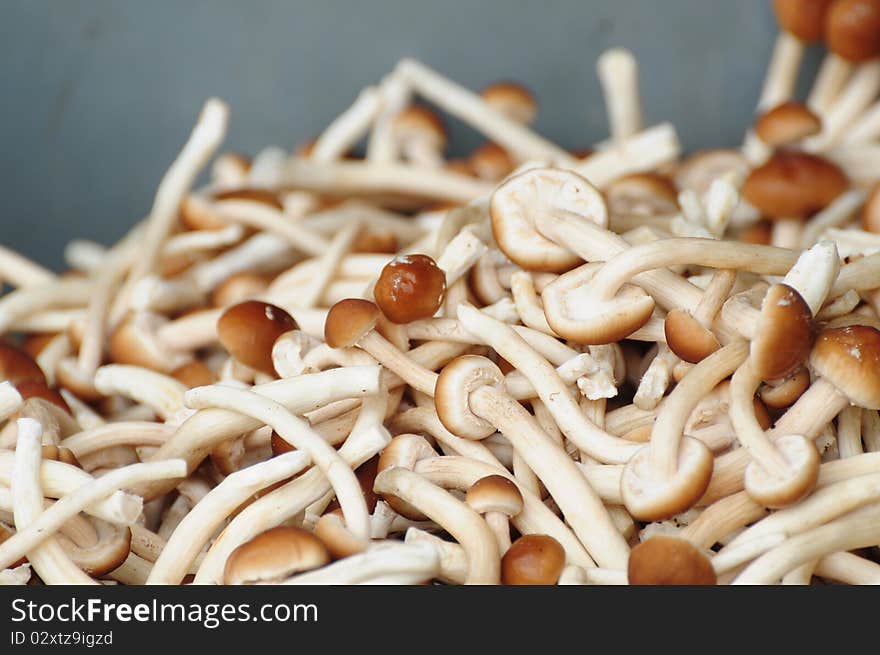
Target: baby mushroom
pixel 498 500
pixel 274 555
pixel 786 124
pixel 511 99
pixel 410 287
pixel 667 560
pixel 421 136
pixel 249 329
pixel 533 559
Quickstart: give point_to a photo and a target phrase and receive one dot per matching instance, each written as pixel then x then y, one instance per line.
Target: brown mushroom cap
pixel 36 389
pixel 491 162
pixel 194 374
pixel 17 366
pixel 348 321
pixel 512 99
pixel 420 122
pixel 667 560
pixel 784 334
pixel 687 338
pixel 516 204
pixel 495 493
pixel 382 242
pixel 533 559
pixel 642 193
pixel 805 19
pixel 410 287
pixel 871 210
pixel 849 358
pixel 787 123
pixel 275 554
pixel 852 29
pixel 784 392
pixel 249 329
pixel 794 185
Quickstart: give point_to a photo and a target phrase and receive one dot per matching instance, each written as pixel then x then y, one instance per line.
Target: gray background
pixel 98 96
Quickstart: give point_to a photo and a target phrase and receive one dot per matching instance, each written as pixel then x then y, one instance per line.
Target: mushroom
pixel 498 500
pixel 511 99
pixel 787 123
pixel 667 560
pixel 409 288
pixel 249 329
pixel 471 403
pixel 669 475
pixel 275 555
pixel 533 559
pixel 689 334
pixel 421 136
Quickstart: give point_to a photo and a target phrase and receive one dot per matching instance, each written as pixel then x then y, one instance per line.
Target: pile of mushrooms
pixel 363 362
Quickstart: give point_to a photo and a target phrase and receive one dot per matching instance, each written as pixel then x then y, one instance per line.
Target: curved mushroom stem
pixel 669 425
pixel 162 393
pixel 764 260
pixel 582 508
pixel 298 433
pixel 463 523
pixel 858 529
pixel 387 563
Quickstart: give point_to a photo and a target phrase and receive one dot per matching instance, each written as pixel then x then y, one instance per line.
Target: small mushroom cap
pixel 533 559
pixel 849 358
pixel 516 204
pixel 852 29
pixel 418 122
pixel 871 210
pixel 366 476
pixel 348 321
pixel 784 335
pixel 668 560
pixel 409 288
pixel 512 99
pixel 17 366
pixel 650 496
pixel 249 329
pixel 784 392
pixel 495 493
pixel 275 554
pixel 458 379
pixel 700 169
pixel 687 338
pixel 575 313
pixel 491 162
pixel 805 19
pixel 794 185
pixel 643 194
pixel 772 491
pixel 194 374
pixel 403 450
pixel 787 123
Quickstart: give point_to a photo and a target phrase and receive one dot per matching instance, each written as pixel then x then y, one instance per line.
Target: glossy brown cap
pixel 511 99
pixel 784 334
pixel 17 366
pixel 495 493
pixel 805 19
pixel 687 338
pixel 666 560
pixel 194 374
pixel 871 210
pixel 410 287
pixel 366 476
pixel 491 162
pixel 348 321
pixel 249 329
pixel 786 124
pixel 849 358
pixel 852 29
pixel 794 185
pixel 785 391
pixel 274 555
pixel 533 559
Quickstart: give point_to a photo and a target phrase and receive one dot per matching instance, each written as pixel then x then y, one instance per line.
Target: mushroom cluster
pixel 532 365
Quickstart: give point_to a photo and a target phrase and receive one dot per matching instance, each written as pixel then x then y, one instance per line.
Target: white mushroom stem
pixel 49 521
pixel 618 73
pixel 19 271
pixel 355 177
pixel 849 569
pixel 196 242
pixel 782 72
pixel 669 425
pixel 201 145
pixel 197 527
pixel 161 392
pixel 394 96
pixel 28 300
pixel 655 380
pixel 853 99
pixel 460 255
pixel 521 142
pixel 834 215
pixel 459 520
pixel 117 433
pixel 385 563
pixel 858 529
pixel 296 432
pixel 272 220
pixel 424 419
pixel 864 129
pixel 84 255
pixel 327 265
pixel 48 559
pixel 858 162
pixel 410 371
pixel 642 151
pixel 832 77
pixel 528 305
pixel 202 432
pixel 453 561
pixel 550 388
pixel 849 432
pixel 263 251
pixel 348 128
pixel 10 400
pixel 733 557
pixel 871 430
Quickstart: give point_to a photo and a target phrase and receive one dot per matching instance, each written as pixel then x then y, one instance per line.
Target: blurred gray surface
pixel 98 96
